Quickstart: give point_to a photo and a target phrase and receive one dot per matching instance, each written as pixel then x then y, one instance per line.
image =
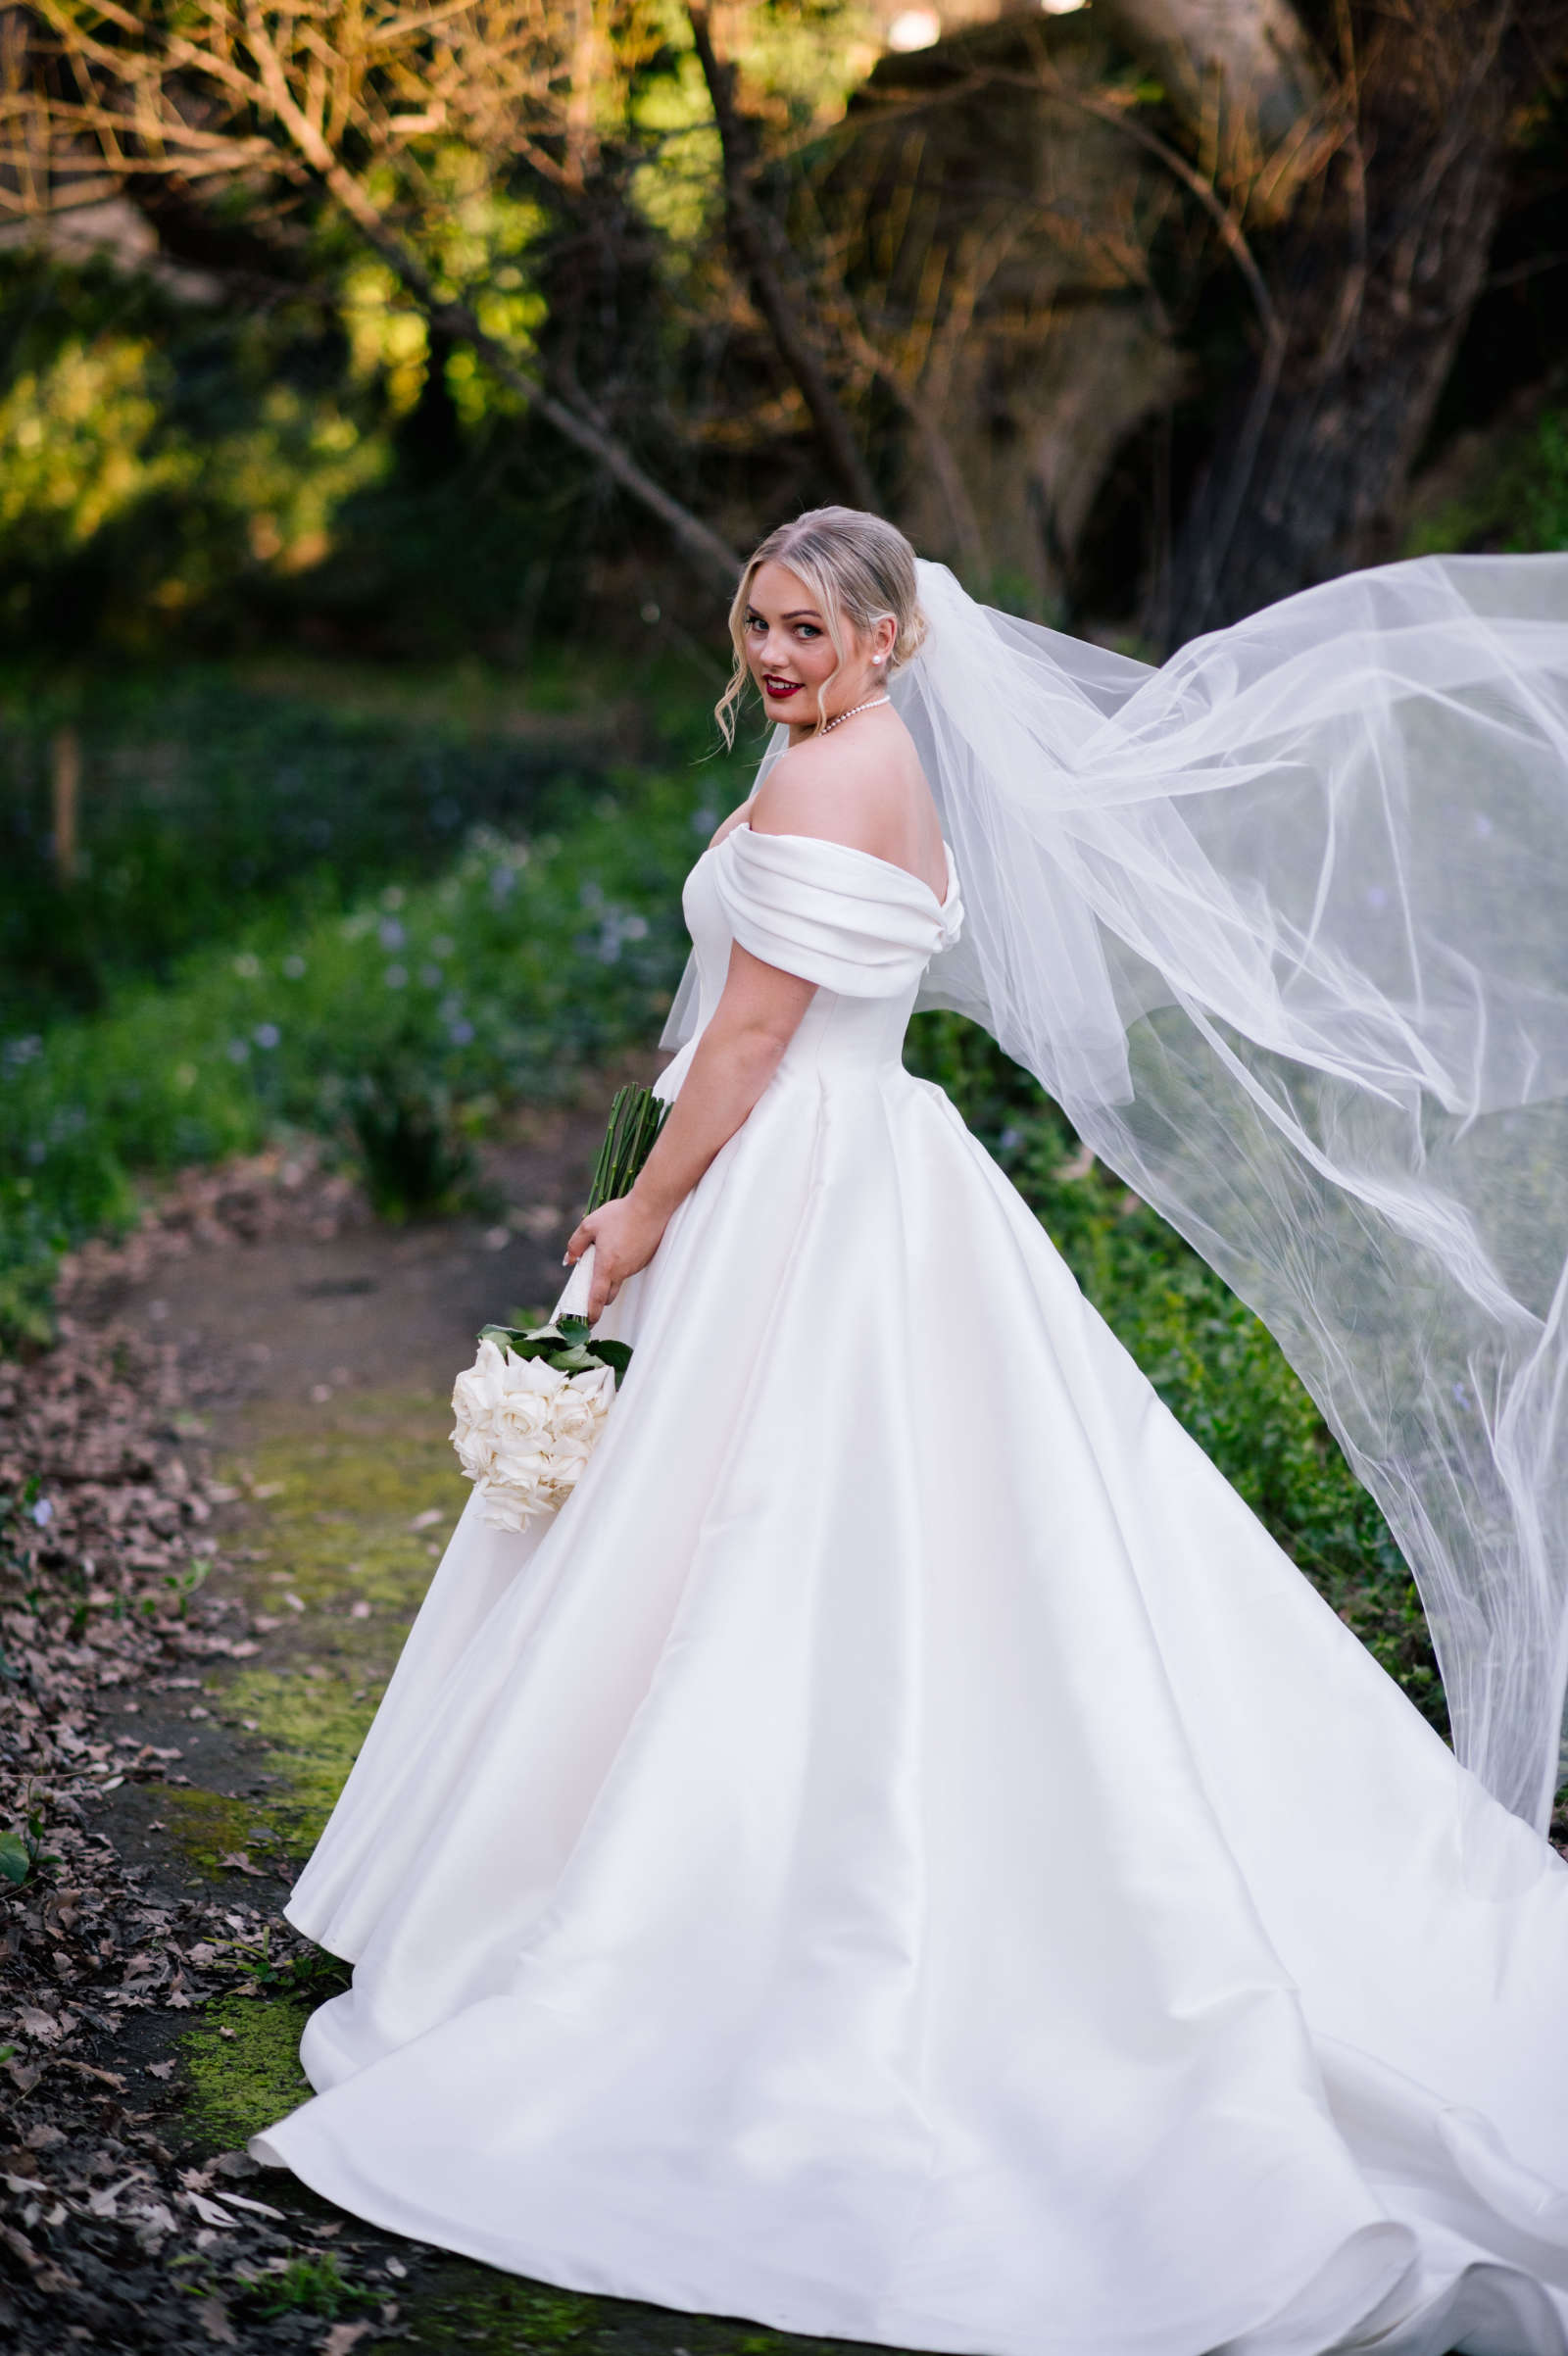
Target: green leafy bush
pixel 1544 523
pixel 210 796
pixel 398 1028
pixel 1511 495
pixel 416 1160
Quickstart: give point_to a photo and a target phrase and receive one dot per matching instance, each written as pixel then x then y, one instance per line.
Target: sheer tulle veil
pixel 1283 927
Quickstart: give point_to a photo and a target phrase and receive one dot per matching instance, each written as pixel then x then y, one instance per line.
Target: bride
pixel 904 1856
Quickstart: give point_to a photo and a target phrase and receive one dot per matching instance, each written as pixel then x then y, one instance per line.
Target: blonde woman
pixel 904 1856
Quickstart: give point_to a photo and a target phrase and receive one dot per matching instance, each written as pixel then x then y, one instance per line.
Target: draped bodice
pixel 858 927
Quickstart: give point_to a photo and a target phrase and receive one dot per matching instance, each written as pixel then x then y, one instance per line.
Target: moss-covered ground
pixel 242 2066
pixel 341 1513
pixel 475 2308
pixel 338 1517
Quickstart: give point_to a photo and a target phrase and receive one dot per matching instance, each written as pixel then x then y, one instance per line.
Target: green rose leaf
pixel 570 1347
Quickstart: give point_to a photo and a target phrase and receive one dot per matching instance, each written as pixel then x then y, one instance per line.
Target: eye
pixel 809 629
pixel 754 621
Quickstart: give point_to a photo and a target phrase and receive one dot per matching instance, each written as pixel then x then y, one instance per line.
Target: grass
pixel 315 2285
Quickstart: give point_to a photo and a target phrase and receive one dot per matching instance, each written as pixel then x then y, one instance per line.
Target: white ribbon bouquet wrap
pixel 531 1407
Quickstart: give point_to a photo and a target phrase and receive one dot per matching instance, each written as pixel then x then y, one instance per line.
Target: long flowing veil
pixel 1283 927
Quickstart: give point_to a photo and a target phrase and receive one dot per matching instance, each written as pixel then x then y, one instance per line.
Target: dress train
pixel 905 1856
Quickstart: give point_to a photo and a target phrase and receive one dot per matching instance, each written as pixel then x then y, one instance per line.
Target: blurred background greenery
pixel 384 388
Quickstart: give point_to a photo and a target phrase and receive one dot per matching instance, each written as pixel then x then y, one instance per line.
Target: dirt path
pixel 322 1366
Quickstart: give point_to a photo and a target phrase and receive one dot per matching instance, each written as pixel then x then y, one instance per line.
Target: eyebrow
pixel 800 613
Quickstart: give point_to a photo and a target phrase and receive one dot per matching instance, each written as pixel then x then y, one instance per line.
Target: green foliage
pixel 414 1157
pixel 283 442
pixel 1544 523
pixel 471 2307
pixel 165 461
pixel 569 1345
pixel 206 796
pixel 31 1243
pixel 315 2285
pixel 397 1029
pixel 24 1856
pixel 312 1970
pixel 15 1863
pixel 1513 496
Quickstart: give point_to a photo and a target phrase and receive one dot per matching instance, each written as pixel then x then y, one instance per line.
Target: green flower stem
pixel 635 1119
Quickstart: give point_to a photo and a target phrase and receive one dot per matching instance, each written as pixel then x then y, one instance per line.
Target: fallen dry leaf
pixel 341 2338
pixel 256 2208
pixel 96 1602
pixel 213 2317
pixel 207 2210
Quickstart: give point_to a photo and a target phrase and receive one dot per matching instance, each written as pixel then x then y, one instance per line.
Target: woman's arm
pixel 734 1060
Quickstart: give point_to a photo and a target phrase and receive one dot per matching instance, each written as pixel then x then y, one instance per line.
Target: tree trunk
pixel 1372 290
pixel 755 245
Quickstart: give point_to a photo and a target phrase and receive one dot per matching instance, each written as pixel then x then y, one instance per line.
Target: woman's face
pixel 791 654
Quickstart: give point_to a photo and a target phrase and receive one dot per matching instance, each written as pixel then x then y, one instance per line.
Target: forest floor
pixel 302 1359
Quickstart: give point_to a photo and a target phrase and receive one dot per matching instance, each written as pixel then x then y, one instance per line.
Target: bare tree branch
pixel 750 235
pixel 707 551
pixel 1244 76
pixel 939 453
pixel 192 98
pixel 1119 115
pixel 1271 359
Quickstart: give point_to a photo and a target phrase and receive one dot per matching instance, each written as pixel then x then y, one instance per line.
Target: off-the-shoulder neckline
pixel 824 842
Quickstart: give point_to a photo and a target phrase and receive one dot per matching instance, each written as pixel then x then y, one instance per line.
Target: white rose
pixel 524 1431
pixel 475 1452
pixel 506 1507
pixel 523 1423
pixel 585 1401
pixel 478 1389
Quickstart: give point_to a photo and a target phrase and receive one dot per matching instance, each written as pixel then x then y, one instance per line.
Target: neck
pixel 869 691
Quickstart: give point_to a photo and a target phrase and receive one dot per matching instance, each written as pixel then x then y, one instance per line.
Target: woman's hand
pixel 624 1235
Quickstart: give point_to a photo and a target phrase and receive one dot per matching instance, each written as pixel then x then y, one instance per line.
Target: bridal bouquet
pixel 531 1406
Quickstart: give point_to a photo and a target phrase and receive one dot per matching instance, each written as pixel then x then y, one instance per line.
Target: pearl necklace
pixel 839 717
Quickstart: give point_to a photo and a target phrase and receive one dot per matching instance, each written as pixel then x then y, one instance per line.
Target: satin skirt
pixel 905 1856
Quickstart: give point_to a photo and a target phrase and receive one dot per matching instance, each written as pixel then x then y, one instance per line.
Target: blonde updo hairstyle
pixel 860 570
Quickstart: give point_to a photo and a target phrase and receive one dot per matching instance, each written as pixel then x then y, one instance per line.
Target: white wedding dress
pixel 905 1856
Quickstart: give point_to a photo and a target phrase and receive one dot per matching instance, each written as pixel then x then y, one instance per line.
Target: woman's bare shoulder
pixel 853 792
